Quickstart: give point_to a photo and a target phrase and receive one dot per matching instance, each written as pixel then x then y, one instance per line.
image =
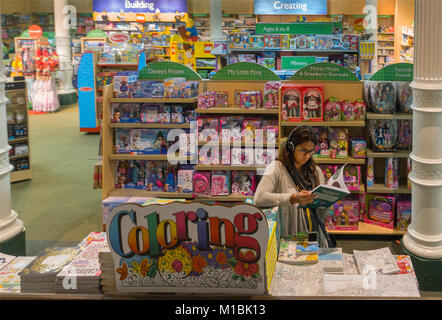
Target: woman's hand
pixel 303 198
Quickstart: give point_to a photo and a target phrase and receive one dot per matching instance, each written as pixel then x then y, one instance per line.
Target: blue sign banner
pixel 296 7
pixel 86 91
pixel 140 6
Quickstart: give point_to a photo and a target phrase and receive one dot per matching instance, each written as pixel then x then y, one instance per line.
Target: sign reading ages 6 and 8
pixel 297 7
pixel 298 28
pixel 188 247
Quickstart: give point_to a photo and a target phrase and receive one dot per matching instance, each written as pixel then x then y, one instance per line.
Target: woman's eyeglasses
pixel 305 152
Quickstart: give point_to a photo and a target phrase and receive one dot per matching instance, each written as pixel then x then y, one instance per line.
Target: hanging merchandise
pixel 44 95
pixel 46 61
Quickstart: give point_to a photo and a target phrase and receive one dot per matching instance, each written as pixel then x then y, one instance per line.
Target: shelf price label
pixel 324 71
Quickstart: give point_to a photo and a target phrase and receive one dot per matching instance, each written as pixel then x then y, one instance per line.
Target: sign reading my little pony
pixel 188 247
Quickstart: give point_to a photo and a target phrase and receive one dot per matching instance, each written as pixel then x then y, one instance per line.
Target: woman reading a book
pixel 287 183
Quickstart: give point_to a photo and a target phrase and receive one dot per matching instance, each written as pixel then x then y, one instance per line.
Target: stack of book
pixel 10 267
pixel 298 250
pixel 39 275
pixel 83 274
pixel 108 283
pixel 380 261
pixel 332 260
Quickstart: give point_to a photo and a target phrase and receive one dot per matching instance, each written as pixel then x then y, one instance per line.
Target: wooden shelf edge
pixel 397 154
pixel 21 175
pixel 150 125
pixel 348 160
pixel 383 116
pixel 159 157
pixel 324 123
pixel 369 229
pixel 237 111
pixel 144 193
pixel 380 188
pixel 153 100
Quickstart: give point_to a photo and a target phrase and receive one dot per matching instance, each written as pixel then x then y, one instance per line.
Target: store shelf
pixel 382 116
pixel 236 111
pixel 206 167
pixel 408 34
pixel 153 100
pixel 348 160
pixel 381 188
pixel 116 65
pixel 21 175
pixel 360 191
pixel 369 229
pixel 406 45
pixel 18 140
pixel 156 157
pixel 150 125
pixel 386 33
pixel 325 123
pixel 144 193
pixel 295 50
pixel 21 156
pixel 232 144
pixel 397 154
pixel 229 198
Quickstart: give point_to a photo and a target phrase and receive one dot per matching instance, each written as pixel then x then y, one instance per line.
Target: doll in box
pixel 359 109
pixel 403 214
pixel 231 128
pixel 220 183
pixel 185 180
pixel 150 113
pixel 346 214
pixel 313 104
pixel 291 103
pixel 332 110
pixel 323 146
pixel 348 110
pixel 338 143
pixel 116 113
pixel 352 177
pixel 271 94
pixel 122 140
pixel 170 182
pixel 177 115
pixel 404 96
pixel 243 182
pixel 250 126
pixel 172 87
pixel 404 137
pixel 137 173
pixel 221 99
pixel 328 171
pixel 156 174
pixel 122 174
pixel 248 100
pixel 370 172
pixel 358 148
pixel 380 211
pixel 207 129
pixel 383 135
pixel 392 173
pixel 201 183
pixel 189 89
pixel 383 97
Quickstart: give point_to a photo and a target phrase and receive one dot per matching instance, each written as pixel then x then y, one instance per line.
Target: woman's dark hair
pixel 298 136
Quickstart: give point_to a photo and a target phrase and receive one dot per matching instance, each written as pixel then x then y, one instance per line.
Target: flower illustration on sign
pixel 198 263
pixel 244 270
pixel 176 261
pixel 123 271
pixel 221 258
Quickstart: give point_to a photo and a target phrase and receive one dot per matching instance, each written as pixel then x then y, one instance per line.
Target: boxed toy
pixel 221 99
pixel 185 180
pixel 272 41
pixel 122 140
pixel 243 182
pixel 156 175
pixel 189 89
pixel 313 103
pixel 201 183
pixel 293 41
pixel 207 129
pixel 404 134
pixel 332 110
pixel 323 146
pixel 220 183
pixel 291 102
pixel 271 94
pixel 208 155
pixel 358 148
pixel 403 214
pixel 256 41
pixel 250 126
pixel 270 129
pixel 383 134
pixel 267 62
pixel 231 128
pixel 130 174
pixel 338 143
pixel 177 115
pixel 206 100
pixel 285 42
pixel 148 141
pixel 392 173
pixel 172 87
pixel 370 172
pixel 345 216
pixel 170 184
pixel 327 171
pixel 348 111
pixel 352 176
pixel 250 100
pixel 124 84
pixel 360 109
pixel 380 210
pixel 151 113
pixel 383 97
pixel 149 89
pixel 125 112
pixel 404 96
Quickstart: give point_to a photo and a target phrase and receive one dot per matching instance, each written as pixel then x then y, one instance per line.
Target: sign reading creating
pixel 188 247
pixel 296 7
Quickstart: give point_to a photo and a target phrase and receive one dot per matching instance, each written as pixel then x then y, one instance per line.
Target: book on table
pixel 328 194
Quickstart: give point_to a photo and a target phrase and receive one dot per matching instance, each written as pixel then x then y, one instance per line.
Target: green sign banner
pixel 296 62
pixel 245 71
pixel 394 72
pixel 298 28
pixel 166 69
pixel 324 71
pixel 96 34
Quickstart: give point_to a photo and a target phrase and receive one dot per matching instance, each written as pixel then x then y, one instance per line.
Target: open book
pixel 333 191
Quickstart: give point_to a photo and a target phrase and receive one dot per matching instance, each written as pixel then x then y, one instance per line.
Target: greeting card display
pixel 156 175
pixel 220 183
pixel 383 134
pixel 383 97
pixel 243 182
pixel 380 211
pixel 332 110
pixel 313 103
pixel 291 102
pixel 271 94
pixel 404 134
pixel 201 183
pixel 338 143
pixel 404 95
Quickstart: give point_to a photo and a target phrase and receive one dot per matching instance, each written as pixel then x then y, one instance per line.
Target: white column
pixel 371 20
pixel 216 14
pixel 424 235
pixel 63 44
pixel 10 225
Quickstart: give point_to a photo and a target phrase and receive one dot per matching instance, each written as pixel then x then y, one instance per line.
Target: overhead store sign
pixel 296 7
pixel 188 247
pixel 298 28
pixel 324 71
pixel 296 62
pixel 395 72
pixel 141 6
pixel 245 71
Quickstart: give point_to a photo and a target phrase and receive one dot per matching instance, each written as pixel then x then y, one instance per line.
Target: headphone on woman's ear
pixel 290 145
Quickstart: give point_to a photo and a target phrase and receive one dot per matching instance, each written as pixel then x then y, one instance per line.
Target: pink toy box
pixel 380 211
pixel 345 216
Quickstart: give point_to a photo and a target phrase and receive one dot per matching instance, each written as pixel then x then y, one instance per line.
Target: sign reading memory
pixel 297 7
pixel 324 71
pixel 188 247
pixel 296 62
pixel 395 72
pixel 244 71
pixel 166 69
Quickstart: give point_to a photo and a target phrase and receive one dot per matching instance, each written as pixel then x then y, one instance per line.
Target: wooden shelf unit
pixel 381 188
pixel 396 116
pixel 369 229
pixel 396 154
pixel 324 123
pixel 348 160
pixel 235 111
